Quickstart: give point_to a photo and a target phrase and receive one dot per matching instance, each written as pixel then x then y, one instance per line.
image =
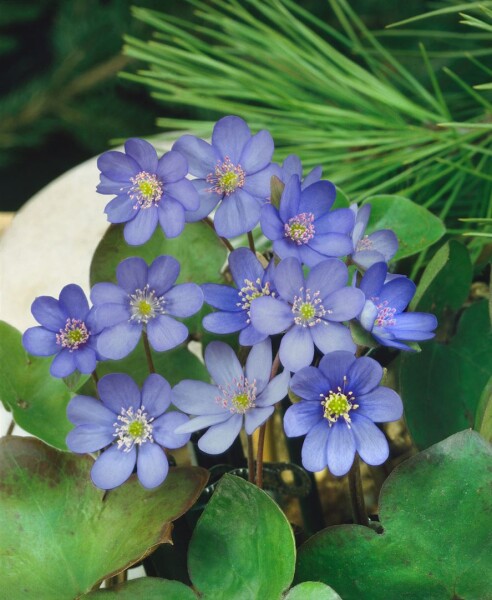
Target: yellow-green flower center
pixel 133 428
pixel 228 181
pixel 145 305
pixel 146 191
pixel 307 310
pixel 226 177
pixel 241 402
pixel 73 335
pixel 338 404
pixel 136 428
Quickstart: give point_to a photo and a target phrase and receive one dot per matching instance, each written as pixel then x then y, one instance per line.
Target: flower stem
pixel 116 579
pixel 356 494
pixel 251 460
pixel 224 240
pixel 251 242
pixel 148 354
pixel 95 377
pixel 11 428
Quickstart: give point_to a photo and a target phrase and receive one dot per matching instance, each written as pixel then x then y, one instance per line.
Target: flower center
pixel 146 190
pixel 308 310
pixel 338 404
pixel 239 396
pixel 226 178
pixel 386 315
pixel 73 335
pixel 146 305
pixel 133 428
pixel 252 290
pixel 300 229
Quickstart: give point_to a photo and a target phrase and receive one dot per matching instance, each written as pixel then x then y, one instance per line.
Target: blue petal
pixel 40 341
pixel 370 441
pixel 220 438
pixel 414 323
pixel 296 348
pixel 270 223
pixel 201 156
pixel 131 274
pixel 165 333
pixel 332 337
pixel 118 341
pixel 117 391
pixel 257 153
pixel 162 274
pixel 156 395
pixel 172 167
pixel 171 216
pixel 286 248
pixel 270 316
pixel 259 184
pixel 85 359
pixel 103 293
pixel 121 209
pixel 63 364
pixel 340 220
pixel 259 364
pixel 113 468
pixel 237 214
pixel 368 315
pixel 344 304
pixel 143 153
pixel 48 312
pixel 108 186
pixel 164 430
pixel 302 417
pixel 331 244
pixel 256 417
pixel 229 137
pixel 207 201
pixel 362 215
pixel 223 297
pixel 202 422
pixel 327 276
pixel 291 166
pixel 108 315
pixel 335 366
pixel 74 302
pixel 140 229
pixel 373 280
pixel 275 391
pixel 386 242
pixel 222 363
pixel 398 293
pixel 289 279
pixel 364 375
pixel 289 201
pixel 313 453
pixel 318 198
pixel 225 322
pixel 185 193
pixel 310 384
pixel 249 336
pixel 117 166
pixel 244 265
pixel 341 449
pixel 89 438
pixel 367 258
pixel 84 410
pixel 312 177
pixel 152 465
pixel 381 405
pixel 183 300
pixel 197 398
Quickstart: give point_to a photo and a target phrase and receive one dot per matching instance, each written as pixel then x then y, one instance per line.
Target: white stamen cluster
pixel 133 428
pixel 338 404
pixel 145 305
pixel 238 396
pixel 300 229
pixel 226 178
pixel 307 308
pixel 252 290
pixel 73 335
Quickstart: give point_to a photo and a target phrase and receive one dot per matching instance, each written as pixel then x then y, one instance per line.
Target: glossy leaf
pixel 435 512
pixel 146 588
pixel 415 227
pixel 37 400
pixel 341 199
pixel 312 590
pixel 442 385
pixel 242 546
pixel 61 535
pixel 483 419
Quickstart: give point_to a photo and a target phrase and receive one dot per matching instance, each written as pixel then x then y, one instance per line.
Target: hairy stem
pixel 251 460
pixel 356 494
pixel 148 354
pixel 251 242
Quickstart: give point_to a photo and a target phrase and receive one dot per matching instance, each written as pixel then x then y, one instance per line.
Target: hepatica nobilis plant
pixel 276 284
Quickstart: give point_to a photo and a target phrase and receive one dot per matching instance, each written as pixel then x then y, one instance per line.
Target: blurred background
pixel 62 101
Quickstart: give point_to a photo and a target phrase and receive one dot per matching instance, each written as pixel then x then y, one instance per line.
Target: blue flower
pixel 235 170
pixel 379 246
pixel 303 227
pixel 309 310
pixel 383 314
pixel 340 402
pixel 237 397
pixel 144 299
pixel 131 427
pixel 252 281
pixel 67 330
pixel 292 166
pixel 148 190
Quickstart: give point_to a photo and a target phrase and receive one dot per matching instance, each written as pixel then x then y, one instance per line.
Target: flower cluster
pixel 296 297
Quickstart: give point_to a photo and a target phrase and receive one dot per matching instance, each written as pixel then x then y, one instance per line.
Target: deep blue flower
pixel 386 299
pixel 235 170
pixel 340 402
pixel 237 397
pixel 252 281
pixel 131 427
pixel 309 310
pixel 379 246
pixel 67 330
pixel 292 166
pixel 303 227
pixel 148 190
pixel 144 299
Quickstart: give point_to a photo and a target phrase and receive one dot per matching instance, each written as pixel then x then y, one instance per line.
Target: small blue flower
pixel 309 310
pixel 292 166
pixel 131 427
pixel 340 402
pixel 237 397
pixel 67 330
pixel 144 299
pixel 252 281
pixel 235 170
pixel 148 190
pixel 386 299
pixel 304 227
pixel 379 246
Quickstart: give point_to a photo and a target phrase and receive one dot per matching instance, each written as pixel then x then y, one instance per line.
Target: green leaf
pixel 146 588
pixel 242 546
pixel 312 590
pixel 441 386
pixel 436 542
pixel 483 418
pixel 341 200
pixel 445 283
pixel 37 400
pixel 415 227
pixel 61 535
